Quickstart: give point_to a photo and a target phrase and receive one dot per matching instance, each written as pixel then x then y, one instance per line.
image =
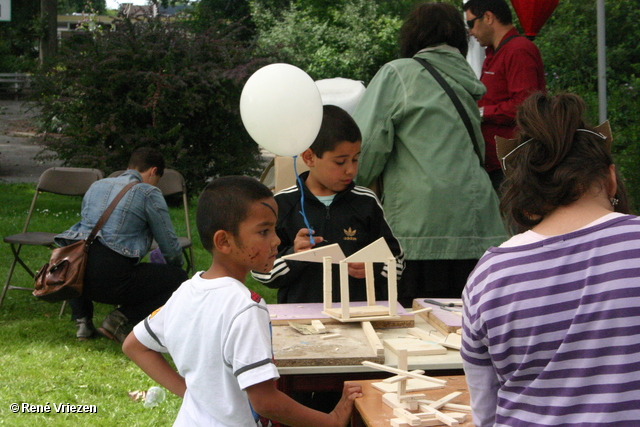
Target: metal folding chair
pixel 172 183
pixel 57 180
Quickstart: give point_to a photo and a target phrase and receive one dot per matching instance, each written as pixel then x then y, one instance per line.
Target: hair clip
pixel 504 158
pixel 505 146
pixel 598 134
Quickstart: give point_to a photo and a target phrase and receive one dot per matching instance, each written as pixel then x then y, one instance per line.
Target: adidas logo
pixel 350 234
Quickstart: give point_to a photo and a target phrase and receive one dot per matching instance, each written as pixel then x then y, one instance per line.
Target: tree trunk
pixel 49 40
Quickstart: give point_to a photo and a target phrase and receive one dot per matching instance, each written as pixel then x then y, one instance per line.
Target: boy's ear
pixel 221 241
pixel 308 157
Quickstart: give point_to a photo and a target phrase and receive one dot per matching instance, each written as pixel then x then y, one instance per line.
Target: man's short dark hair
pixel 146 157
pixel 337 126
pixel 431 24
pixel 499 8
pixel 224 204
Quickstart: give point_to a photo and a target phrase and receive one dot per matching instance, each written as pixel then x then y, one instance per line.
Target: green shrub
pixel 150 84
pixel 568 45
pixel 351 40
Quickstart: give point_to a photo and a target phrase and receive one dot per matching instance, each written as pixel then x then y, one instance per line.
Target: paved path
pixel 17 145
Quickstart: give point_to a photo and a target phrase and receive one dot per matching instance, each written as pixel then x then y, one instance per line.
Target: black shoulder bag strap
pixel 456 101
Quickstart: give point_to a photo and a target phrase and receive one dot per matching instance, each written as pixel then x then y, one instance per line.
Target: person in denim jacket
pixel 114 273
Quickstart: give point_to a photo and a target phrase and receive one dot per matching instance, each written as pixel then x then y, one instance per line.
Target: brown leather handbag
pixel 62 277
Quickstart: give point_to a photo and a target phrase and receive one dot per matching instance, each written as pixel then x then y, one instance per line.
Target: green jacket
pixel 438 199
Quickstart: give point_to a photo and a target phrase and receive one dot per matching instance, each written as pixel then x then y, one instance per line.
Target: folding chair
pixel 280 174
pixel 57 180
pixel 173 183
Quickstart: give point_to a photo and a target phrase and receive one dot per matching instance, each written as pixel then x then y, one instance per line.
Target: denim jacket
pixel 139 217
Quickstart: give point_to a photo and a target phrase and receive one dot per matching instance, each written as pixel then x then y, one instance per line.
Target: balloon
pixel 281 109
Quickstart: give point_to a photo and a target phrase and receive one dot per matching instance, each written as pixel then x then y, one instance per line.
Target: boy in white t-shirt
pixel 217 331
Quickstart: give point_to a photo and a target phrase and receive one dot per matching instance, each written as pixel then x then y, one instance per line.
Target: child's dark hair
pixel 560 159
pixel 146 157
pixel 224 204
pixel 429 24
pixel 337 126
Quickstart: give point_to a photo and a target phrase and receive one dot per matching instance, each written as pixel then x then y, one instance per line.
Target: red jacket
pixel 511 73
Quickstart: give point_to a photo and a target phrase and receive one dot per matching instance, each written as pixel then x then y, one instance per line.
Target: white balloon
pixel 281 108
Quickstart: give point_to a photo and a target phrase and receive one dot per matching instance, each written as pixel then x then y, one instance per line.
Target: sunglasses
pixel 471 22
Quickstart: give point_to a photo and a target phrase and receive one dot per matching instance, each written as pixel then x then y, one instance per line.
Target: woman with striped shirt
pixel 551 327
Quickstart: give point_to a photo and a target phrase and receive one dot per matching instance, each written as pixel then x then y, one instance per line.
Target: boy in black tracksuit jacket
pixel 338 211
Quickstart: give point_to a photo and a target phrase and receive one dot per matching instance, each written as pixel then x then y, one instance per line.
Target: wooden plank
pixel 374 413
pixel 364 311
pixel 412 386
pixel 413 347
pixel 344 292
pixel 392 285
pixel 318 326
pixel 452 340
pixel 373 338
pixel 401 372
pixel 443 320
pixel 327 282
pixel 281 314
pixel 441 402
pixel 330 336
pixel 403 365
pixel 318 254
pixel 370 282
pixel 351 347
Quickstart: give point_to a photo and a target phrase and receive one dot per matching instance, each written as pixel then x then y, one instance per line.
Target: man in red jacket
pixel 512 70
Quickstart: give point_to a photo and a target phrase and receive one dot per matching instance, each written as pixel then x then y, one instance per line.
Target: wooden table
pixel 370 411
pixel 330 377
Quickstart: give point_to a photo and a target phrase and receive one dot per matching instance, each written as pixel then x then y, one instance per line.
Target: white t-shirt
pixel 218 335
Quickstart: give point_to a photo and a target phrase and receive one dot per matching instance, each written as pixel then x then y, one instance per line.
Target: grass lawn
pixel 41 363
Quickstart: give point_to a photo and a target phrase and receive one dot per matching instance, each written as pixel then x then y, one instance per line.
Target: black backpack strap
pixel 456 102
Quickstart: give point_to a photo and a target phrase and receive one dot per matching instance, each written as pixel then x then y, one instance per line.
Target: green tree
pixel 569 49
pixel 19 38
pixel 150 85
pixel 351 40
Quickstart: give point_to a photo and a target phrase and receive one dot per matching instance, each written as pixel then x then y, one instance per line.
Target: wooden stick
pixel 392 283
pixel 327 282
pixel 318 326
pixel 393 380
pixel 448 398
pixel 374 341
pixel 400 372
pixel 370 281
pixel 344 290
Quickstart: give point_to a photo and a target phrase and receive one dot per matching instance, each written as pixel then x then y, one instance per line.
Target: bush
pixel 150 84
pixel 569 49
pixel 352 40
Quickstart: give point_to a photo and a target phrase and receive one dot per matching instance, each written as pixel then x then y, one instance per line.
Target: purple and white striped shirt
pixel 551 330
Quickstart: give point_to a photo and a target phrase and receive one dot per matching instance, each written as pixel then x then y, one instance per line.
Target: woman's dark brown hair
pixel 430 24
pixel 558 163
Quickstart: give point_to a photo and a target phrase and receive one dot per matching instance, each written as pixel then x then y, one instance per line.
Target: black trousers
pixel 138 288
pixel 433 279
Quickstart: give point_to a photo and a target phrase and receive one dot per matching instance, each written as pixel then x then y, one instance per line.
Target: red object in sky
pixel 533 14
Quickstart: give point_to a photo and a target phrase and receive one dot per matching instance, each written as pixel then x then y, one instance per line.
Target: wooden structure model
pixel 377 251
pixel 415 409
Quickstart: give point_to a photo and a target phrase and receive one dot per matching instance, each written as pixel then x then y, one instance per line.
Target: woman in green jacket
pixel 437 197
